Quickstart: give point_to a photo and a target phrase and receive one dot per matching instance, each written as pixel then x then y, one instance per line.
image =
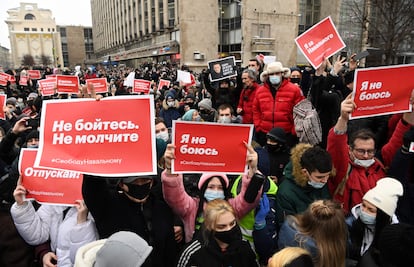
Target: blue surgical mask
pixel 367 218
pixel 274 79
pixel 316 185
pixel 213 194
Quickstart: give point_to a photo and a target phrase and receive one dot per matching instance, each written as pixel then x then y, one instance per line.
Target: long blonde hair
pixel 286 256
pixel 324 221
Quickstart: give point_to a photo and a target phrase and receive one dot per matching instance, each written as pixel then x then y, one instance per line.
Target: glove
pixel 264 208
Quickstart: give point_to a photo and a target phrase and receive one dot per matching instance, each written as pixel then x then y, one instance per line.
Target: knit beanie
pixel 205 177
pixel 188 116
pixel 205 104
pixel 123 249
pixel 385 195
pixel 277 134
pixel 396 244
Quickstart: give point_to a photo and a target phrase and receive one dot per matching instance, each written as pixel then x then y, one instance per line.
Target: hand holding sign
pixel 251 159
pixel 347 107
pixel 409 116
pixel 169 156
pixel 19 194
pixel 82 211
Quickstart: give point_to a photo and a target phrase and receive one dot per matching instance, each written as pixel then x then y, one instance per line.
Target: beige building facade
pixel 193 32
pixel 33 31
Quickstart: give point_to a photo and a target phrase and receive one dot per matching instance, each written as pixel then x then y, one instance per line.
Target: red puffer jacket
pixel 269 112
pixel 247 97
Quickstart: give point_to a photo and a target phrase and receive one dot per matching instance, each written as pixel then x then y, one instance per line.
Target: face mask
pixel 274 148
pixel 295 80
pixel 190 104
pixel 163 135
pixel 366 218
pixel 139 191
pixel 170 104
pixel 364 162
pixel 228 237
pixel 213 194
pixel 32 146
pixel 274 79
pixel 197 118
pixel 253 69
pixel 224 119
pixel 316 185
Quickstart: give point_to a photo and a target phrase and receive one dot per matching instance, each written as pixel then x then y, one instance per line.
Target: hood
pixel 86 255
pixel 295 156
pixel 166 107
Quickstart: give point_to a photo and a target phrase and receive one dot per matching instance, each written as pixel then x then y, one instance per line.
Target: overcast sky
pixel 72 12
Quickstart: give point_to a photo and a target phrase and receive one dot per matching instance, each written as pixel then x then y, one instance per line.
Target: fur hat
pixel 274 67
pixel 205 177
pixel 205 104
pixel 124 246
pixel 385 195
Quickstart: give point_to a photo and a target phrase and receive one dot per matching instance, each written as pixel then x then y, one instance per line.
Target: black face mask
pixel 190 104
pixel 139 191
pixel 274 148
pixel 228 237
pixel 295 80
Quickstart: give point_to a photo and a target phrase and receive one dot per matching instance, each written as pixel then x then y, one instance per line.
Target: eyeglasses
pixel 362 152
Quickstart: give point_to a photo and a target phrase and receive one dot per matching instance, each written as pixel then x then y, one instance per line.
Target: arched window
pixel 29 17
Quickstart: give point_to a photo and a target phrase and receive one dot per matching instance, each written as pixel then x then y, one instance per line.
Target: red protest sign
pixel 162 83
pixel 111 137
pixel 3 98
pixel 47 185
pixel 376 91
pixel 51 76
pixel 141 86
pixel 200 147
pixel 23 80
pixel 4 78
pixel 68 84
pixel 100 85
pixel 47 86
pixel 34 74
pixel 319 42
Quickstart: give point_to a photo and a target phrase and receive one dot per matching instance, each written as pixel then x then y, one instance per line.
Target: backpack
pixel 307 124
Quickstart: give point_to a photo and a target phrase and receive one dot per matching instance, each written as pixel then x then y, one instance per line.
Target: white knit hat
pixel 385 195
pixel 120 249
pixel 274 67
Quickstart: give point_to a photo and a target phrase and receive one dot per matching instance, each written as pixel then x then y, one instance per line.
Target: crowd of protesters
pixel 344 199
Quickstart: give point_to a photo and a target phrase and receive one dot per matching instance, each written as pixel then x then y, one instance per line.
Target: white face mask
pixel 364 162
pixel 224 119
pixel 163 135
